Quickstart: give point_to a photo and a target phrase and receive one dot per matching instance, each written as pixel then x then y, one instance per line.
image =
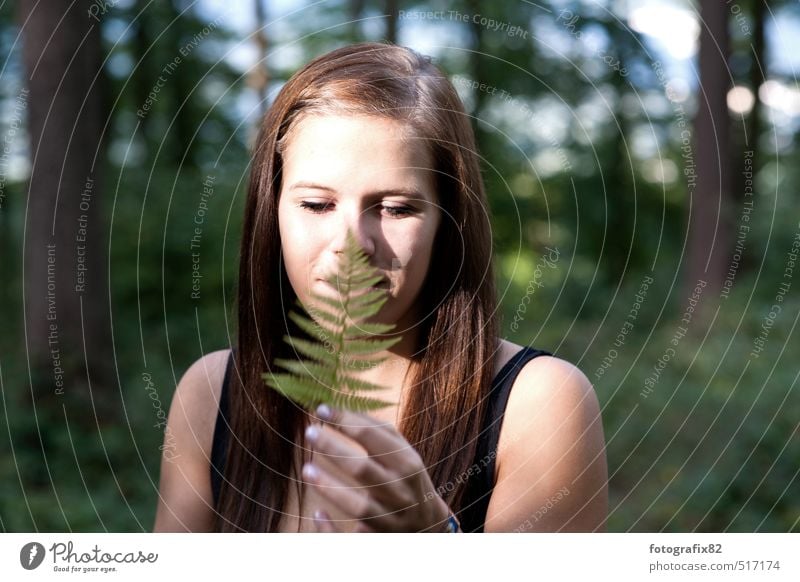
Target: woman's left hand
pixel 394 492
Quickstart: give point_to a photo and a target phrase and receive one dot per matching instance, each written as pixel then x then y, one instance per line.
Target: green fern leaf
pixel 303 391
pixel 312 350
pixel 366 347
pixel 309 326
pixel 342 340
pixel 359 403
pixel 366 329
pixel 318 372
pixel 356 385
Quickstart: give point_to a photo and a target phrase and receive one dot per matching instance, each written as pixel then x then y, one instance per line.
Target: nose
pixel 356 223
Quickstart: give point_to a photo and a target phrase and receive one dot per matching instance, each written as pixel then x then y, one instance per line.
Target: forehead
pixel 356 147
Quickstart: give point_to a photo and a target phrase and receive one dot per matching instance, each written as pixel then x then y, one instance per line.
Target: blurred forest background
pixel 641 160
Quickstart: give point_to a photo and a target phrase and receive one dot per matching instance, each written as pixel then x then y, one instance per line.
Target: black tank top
pixel 480 480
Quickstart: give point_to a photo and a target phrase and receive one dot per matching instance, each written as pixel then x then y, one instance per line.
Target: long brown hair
pixel 447 404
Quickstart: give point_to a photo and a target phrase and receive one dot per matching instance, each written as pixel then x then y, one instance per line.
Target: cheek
pixel 420 265
pixel 417 256
pixel 297 249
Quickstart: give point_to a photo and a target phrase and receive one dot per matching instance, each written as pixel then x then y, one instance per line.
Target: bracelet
pixel 452 524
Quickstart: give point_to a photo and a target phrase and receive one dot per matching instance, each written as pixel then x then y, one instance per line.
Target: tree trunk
pixel 758 72
pixel 355 10
pixel 142 83
pixel 477 61
pixel 65 245
pixel 260 76
pixel 392 15
pixel 182 109
pixel 709 236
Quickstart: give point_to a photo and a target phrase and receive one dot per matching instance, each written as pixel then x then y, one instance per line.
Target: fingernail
pixel 310 472
pixel 324 412
pixel 320 518
pixel 312 433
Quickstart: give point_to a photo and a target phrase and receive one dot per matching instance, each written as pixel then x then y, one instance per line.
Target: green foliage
pixel 712 446
pixel 341 329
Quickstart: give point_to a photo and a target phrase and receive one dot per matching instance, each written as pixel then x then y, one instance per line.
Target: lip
pixel 383 284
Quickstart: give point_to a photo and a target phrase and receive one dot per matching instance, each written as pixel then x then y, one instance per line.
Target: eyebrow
pixel 409 192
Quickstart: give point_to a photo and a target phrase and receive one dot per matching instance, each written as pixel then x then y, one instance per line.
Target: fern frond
pixel 342 341
pixel 358 403
pixel 329 320
pixel 361 364
pixel 314 350
pixel 356 385
pixel 366 329
pixel 310 370
pixel 366 347
pixel 305 392
pixel 311 327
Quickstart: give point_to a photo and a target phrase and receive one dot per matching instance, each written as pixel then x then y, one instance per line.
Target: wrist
pixel 449 523
pixel 452 525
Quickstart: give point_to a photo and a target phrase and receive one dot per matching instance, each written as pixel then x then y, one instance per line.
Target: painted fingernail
pixel 312 433
pixel 310 472
pixel 320 517
pixel 324 412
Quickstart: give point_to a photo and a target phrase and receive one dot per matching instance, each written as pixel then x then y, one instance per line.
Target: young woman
pixel 485 435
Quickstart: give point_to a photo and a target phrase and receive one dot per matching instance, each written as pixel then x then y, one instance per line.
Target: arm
pixel 185 499
pixel 551 464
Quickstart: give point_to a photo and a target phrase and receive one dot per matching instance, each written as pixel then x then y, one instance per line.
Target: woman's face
pixel 357 172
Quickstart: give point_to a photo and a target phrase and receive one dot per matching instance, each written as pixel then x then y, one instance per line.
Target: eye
pixel 398 211
pixel 315 207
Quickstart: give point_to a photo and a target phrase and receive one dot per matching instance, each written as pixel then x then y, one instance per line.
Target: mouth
pixel 384 284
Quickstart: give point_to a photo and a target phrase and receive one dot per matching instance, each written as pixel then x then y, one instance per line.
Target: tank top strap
pixel 481 483
pixel 501 387
pixel 219 444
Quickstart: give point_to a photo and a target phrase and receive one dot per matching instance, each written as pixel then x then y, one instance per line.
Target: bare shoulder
pixel 505 351
pixel 551 465
pixel 199 389
pixel 185 499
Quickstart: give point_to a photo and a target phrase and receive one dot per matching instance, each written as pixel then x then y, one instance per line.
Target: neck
pixel 395 373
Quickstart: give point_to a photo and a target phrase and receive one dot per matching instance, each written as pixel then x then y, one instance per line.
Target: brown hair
pixel 448 402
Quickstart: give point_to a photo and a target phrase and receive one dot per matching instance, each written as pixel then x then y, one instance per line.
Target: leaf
pixel 319 373
pixel 360 403
pixel 366 347
pixel 367 329
pixel 311 349
pixel 342 341
pixel 307 393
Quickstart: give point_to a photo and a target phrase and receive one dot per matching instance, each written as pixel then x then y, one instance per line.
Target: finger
pixel 352 501
pixel 381 440
pixel 332 448
pixel 323 522
pixel 362 527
